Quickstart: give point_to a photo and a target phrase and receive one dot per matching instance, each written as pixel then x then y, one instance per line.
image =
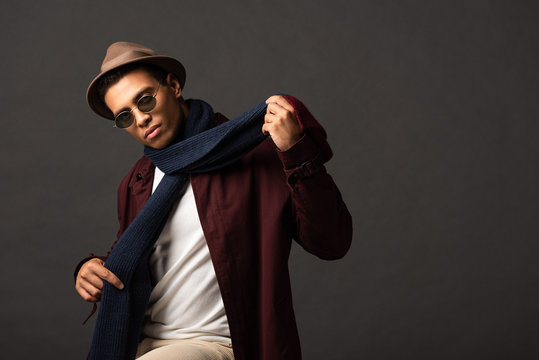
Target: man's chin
pixel 158 143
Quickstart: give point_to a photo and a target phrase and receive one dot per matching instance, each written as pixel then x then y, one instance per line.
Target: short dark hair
pixel 115 75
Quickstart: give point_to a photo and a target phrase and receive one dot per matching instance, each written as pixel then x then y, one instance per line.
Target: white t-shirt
pixel 186 302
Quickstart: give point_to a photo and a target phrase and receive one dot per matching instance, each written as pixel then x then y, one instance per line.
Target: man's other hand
pixel 89 283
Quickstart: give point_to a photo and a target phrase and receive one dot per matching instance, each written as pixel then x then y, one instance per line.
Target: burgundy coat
pixel 250 212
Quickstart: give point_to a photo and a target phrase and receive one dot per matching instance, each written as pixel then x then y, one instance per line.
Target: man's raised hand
pixel 280 123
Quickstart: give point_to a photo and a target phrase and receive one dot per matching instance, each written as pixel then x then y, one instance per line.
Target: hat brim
pixel 167 63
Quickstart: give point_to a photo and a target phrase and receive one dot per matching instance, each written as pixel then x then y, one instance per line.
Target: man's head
pixel 157 126
pixel 145 88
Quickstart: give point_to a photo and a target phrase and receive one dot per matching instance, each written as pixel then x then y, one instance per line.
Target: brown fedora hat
pixel 122 53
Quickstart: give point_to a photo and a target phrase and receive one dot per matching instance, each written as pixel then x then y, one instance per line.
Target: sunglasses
pixel 145 104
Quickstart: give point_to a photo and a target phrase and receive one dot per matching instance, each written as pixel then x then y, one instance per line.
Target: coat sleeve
pixel 324 224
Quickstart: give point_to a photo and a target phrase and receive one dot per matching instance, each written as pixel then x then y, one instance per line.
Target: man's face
pixel 161 126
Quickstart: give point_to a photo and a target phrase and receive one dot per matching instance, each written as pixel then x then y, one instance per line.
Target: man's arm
pixel 324 225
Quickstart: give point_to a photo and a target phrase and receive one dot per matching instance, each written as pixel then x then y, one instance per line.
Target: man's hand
pixel 90 278
pixel 281 124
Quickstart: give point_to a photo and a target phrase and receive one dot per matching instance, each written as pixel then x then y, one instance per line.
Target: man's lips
pixel 152 132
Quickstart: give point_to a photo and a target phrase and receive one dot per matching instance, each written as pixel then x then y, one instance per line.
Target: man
pixel 206 219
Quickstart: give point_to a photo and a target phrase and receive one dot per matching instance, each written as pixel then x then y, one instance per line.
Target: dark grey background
pixel 431 108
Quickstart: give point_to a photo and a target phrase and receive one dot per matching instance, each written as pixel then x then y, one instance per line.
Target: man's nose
pixel 141 118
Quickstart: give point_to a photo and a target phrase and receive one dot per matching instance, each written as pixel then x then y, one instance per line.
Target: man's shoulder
pixel 141 172
pixel 143 164
pixel 220 118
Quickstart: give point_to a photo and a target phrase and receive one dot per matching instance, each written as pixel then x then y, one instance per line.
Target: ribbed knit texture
pixel 204 148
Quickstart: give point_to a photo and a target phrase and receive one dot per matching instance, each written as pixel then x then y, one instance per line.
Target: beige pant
pixel 183 349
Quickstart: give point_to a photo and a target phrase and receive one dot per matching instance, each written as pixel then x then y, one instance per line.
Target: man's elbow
pixel 334 245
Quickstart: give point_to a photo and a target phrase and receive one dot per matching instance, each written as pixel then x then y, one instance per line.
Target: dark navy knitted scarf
pixel 204 148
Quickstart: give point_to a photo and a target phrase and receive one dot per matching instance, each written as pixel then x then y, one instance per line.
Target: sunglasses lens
pixel 124 120
pixel 146 103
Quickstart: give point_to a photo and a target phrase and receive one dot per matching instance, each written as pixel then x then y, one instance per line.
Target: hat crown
pixel 121 52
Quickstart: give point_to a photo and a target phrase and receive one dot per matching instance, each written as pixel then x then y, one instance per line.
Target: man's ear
pixel 174 84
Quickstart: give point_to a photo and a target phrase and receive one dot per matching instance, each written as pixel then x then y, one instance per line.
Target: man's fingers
pixel 94 281
pixel 107 275
pixel 92 290
pixel 271 118
pixel 89 283
pixel 281 101
pixel 276 109
pixel 94 271
pixel 265 129
pixel 88 293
